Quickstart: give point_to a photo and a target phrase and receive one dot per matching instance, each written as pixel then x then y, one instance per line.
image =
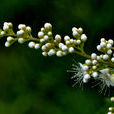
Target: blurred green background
pixel 33 84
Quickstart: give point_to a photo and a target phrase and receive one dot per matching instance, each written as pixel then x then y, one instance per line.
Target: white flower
pixel 106 78
pixel 79 74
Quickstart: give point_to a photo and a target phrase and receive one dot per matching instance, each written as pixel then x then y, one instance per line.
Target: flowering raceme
pixel 97 66
pixel 100 67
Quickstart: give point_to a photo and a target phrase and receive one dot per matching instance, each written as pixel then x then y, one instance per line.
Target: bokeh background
pixel 33 84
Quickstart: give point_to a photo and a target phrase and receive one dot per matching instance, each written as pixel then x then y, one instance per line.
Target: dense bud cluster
pixel 100 67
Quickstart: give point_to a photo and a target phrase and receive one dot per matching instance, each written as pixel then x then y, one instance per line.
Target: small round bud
pixel 94 62
pixel 109 51
pixel 28 29
pixel 21 40
pixel 88 62
pixel 94 74
pixel 21 26
pixel 112 59
pixel 102 39
pixel 93 55
pixel 9 39
pixel 37 46
pixel 111 41
pixel 78 41
pixel 47 25
pixel 58 37
pixel 99 47
pixel 40 34
pixel 7 44
pixel 87 76
pixel 109 46
pixel 46 37
pixel 44 53
pixel 66 38
pixel 51 52
pixel 64 48
pixel 105 57
pixel 31 44
pixel 59 53
pixel 71 50
pixel 83 37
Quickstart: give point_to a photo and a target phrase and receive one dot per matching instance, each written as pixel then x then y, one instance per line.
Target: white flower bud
pixel 85 67
pixel 58 37
pixel 37 46
pixel 109 46
pixel 42 40
pixel 47 25
pixel 75 33
pixel 44 53
pixel 94 62
pixel 66 38
pixel 31 44
pixel 94 67
pixel 64 47
pixel 99 47
pixel 21 40
pixel 20 32
pixel 112 99
pixel 49 33
pixel 88 62
pixel 102 39
pixel 80 30
pixel 71 41
pixel 46 37
pixel 7 44
pixel 98 58
pixel 2 33
pixel 71 50
pixel 93 55
pixel 21 26
pixel 105 57
pixel 86 76
pixel 5 27
pixel 40 34
pixel 60 45
pixel 112 59
pixel 43 48
pixel 74 29
pixel 102 44
pixel 78 41
pixel 67 42
pixel 109 51
pixel 59 53
pixel 9 39
pixel 83 37
pixel 28 29
pixel 51 52
pixel 111 41
pixel 94 74
pixel 85 80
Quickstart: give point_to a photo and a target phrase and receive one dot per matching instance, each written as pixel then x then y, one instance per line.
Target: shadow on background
pixel 33 84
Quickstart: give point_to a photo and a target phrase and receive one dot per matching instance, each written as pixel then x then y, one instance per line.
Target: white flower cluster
pixel 50 45
pixel 54 46
pixel 100 67
pixel 7 28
